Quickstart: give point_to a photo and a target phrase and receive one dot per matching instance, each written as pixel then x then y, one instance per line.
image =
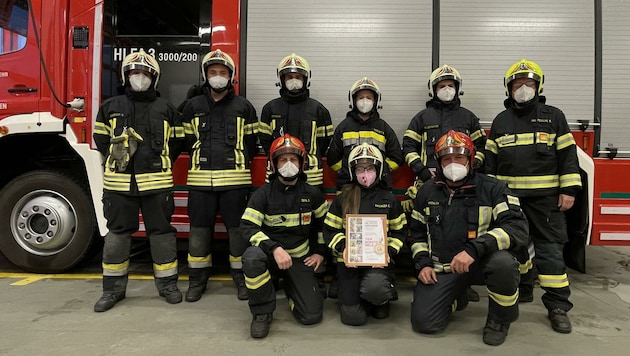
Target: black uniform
pixel 353 131
pixel 426 128
pixel 364 289
pixel 145 184
pixel 482 218
pixel 302 117
pixel 533 151
pixel 221 139
pixel 291 217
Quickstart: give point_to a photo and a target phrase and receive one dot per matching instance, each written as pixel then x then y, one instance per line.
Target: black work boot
pixel 167 288
pixel 197 283
pixel 239 282
pixel 113 292
pixel 380 311
pixel 494 333
pixel 461 302
pixel 472 294
pixel 260 325
pixel 560 321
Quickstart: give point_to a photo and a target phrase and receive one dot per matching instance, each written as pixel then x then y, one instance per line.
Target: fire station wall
pixel 387 41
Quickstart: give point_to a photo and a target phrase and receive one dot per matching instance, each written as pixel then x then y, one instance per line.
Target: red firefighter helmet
pixel 287 144
pixel 455 142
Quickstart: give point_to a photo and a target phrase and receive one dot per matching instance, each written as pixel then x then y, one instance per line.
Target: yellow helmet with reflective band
pixel 364 83
pixel 217 57
pixel 524 69
pixel 443 73
pixel 294 64
pixel 143 61
pixel 365 153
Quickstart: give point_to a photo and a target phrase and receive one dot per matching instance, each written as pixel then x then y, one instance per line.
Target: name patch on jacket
pixel 305 200
pixel 434 203
pixel 382 206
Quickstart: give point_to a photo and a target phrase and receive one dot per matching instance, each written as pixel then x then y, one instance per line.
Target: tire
pixel 47 222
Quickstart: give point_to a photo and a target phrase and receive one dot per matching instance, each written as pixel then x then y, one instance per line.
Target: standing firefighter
pixel 531 148
pixel 134 133
pixel 220 129
pixel 466 228
pixel 283 222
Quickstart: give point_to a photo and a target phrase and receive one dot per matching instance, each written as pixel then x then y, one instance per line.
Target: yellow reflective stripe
pixel 441 267
pixel 525 267
pixel 218 178
pixel 188 128
pixel 333 221
pixel 200 262
pixel 258 281
pixel 531 182
pixel 254 216
pixel 315 176
pixel 397 223
pixel 257 238
pixel 480 156
pixel 476 135
pixel 570 180
pixel 299 251
pixel 337 166
pixel 499 208
pixel 313 150
pixel 320 238
pixel 413 135
pixel 513 200
pixel 484 219
pixel 165 269
pixel 565 141
pixel 178 132
pixel 353 138
pixel 491 146
pixel 150 181
pixel 117 181
pixel 419 247
pixel 321 210
pixel 335 240
pixel 251 129
pixel 286 220
pixel 411 156
pixel 236 262
pixel 264 128
pixel 553 281
pixel 395 243
pixel 115 269
pixel 393 165
pixel 503 300
pixel 416 215
pixel 102 129
pixel 502 237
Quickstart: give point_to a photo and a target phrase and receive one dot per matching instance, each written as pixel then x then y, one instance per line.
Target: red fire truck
pixel 60 58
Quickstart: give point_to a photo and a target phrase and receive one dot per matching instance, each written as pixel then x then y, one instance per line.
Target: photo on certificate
pixel 366 244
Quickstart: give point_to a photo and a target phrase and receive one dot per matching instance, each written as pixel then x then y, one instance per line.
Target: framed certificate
pixel 366 240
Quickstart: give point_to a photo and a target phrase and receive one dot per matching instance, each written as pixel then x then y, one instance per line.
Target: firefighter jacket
pixel 157 122
pixel 374 200
pixel 533 150
pixel 427 126
pixel 287 216
pixel 480 217
pixel 304 118
pixel 353 131
pixel 221 140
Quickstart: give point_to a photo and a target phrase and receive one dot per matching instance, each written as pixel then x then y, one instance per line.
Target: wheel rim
pixel 43 222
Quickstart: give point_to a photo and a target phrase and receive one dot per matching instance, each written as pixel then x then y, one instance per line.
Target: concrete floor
pixel 52 315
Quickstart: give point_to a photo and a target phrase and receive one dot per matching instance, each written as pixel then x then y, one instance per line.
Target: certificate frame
pixel 366 240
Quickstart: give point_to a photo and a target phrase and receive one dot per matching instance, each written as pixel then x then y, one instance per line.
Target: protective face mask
pixel 446 94
pixel 524 94
pixel 365 105
pixel 455 172
pixel 139 82
pixel 289 171
pixel 293 84
pixel 366 178
pixel 218 82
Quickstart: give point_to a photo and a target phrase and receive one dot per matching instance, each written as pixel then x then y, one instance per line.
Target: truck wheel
pixel 47 222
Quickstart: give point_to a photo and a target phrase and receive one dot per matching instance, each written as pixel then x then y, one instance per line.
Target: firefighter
pixel 365 291
pixel 364 124
pixel 137 133
pixel 220 129
pixel 297 114
pixel 283 222
pixel 466 228
pixel 531 148
pixel 442 114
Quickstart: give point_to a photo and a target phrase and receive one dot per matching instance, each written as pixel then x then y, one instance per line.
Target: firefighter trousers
pixel 548 230
pixel 433 304
pixel 361 290
pixel 121 212
pixel 300 286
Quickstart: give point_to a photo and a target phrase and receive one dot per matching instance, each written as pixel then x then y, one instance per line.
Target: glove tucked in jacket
pixel 123 148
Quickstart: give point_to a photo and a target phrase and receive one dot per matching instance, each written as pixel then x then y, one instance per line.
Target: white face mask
pixel 293 84
pixel 218 82
pixel 455 171
pixel 524 94
pixel 289 171
pixel 365 105
pixel 139 82
pixel 446 94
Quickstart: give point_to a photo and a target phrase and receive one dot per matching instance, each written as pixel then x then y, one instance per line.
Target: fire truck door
pixel 20 70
